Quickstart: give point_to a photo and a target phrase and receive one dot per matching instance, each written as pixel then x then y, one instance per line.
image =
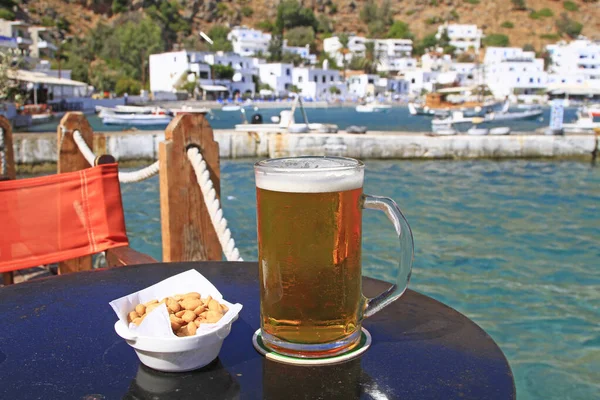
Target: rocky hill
pixel 524 22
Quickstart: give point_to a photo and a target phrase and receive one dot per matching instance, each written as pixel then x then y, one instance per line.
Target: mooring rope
pixel 213 205
pixel 124 177
pixel 2 153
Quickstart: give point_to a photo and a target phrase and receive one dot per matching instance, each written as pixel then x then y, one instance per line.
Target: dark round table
pixel 57 341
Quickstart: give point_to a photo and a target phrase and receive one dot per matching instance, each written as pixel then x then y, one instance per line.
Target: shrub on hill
pixel 496 40
pixel 570 6
pixel 507 24
pixel 519 5
pixel 569 27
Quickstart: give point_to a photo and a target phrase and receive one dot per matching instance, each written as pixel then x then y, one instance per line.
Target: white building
pixel 510 70
pixel 19 31
pixel 419 80
pixel 278 76
pixel 42 42
pixel 575 62
pixel 462 36
pixel 168 70
pixel 436 61
pixel 392 65
pixel 389 51
pixel 315 83
pixel 248 42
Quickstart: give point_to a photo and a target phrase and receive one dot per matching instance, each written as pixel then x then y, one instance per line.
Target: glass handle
pixel 407 249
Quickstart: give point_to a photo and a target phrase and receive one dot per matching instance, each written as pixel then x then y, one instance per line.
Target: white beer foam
pixel 310 175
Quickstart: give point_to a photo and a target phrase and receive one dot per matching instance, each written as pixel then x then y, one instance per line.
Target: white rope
pixel 2 153
pixel 206 186
pixel 124 177
pixel 213 205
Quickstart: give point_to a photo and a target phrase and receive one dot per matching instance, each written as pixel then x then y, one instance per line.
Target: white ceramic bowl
pixel 176 354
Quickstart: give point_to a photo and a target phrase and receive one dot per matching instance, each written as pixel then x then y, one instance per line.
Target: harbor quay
pixel 40 148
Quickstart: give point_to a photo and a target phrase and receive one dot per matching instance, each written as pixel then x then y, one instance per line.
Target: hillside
pixel 535 24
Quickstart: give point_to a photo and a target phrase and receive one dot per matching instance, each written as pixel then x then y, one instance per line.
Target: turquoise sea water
pixel 396 119
pixel 514 245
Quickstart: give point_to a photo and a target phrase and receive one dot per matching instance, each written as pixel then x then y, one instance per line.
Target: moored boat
pixel 372 107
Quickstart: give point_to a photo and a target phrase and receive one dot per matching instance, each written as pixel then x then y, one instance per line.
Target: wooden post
pixel 70 159
pixel 187 232
pixel 9 172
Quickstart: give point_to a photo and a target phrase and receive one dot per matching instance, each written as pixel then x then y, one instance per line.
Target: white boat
pixel 135 119
pixel 189 110
pixel 588 119
pixel 474 131
pixel 502 130
pixel 128 110
pixel 231 108
pixel 287 124
pixel 504 116
pixel 372 107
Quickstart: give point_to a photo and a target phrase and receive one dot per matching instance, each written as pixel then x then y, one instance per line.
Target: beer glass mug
pixel 309 213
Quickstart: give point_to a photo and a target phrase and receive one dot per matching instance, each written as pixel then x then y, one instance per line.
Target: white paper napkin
pixel 157 323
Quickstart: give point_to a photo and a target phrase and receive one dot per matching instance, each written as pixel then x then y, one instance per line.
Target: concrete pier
pixel 143 145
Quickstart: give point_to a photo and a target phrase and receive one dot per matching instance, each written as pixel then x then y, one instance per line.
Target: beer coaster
pixel 363 345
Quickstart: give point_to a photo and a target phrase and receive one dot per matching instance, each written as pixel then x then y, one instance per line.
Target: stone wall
pixel 41 148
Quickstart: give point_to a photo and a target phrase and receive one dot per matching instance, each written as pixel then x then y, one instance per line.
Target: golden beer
pixel 309 251
pixel 309 212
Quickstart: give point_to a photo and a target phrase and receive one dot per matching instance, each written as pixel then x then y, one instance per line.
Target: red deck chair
pixel 54 218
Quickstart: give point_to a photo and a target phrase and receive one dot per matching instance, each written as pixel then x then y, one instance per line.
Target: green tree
pixel 344 39
pixel 301 36
pixel 222 71
pixel 372 58
pixel 400 30
pixel 7 14
pixel 427 42
pixel 496 40
pixel 276 47
pixel 127 85
pixel 334 90
pixel 291 14
pixel 507 24
pixel 172 25
pixel 569 27
pixel 102 77
pixel 8 85
pixel 137 42
pixel 218 34
pixel 292 58
pixel 119 6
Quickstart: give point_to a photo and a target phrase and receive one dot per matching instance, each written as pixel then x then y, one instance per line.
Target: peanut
pixel 213 316
pixel 191 327
pixel 188 316
pixel 200 309
pixel 186 312
pixel 214 305
pixel 173 305
pixel 132 315
pixel 190 304
pixel 140 309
